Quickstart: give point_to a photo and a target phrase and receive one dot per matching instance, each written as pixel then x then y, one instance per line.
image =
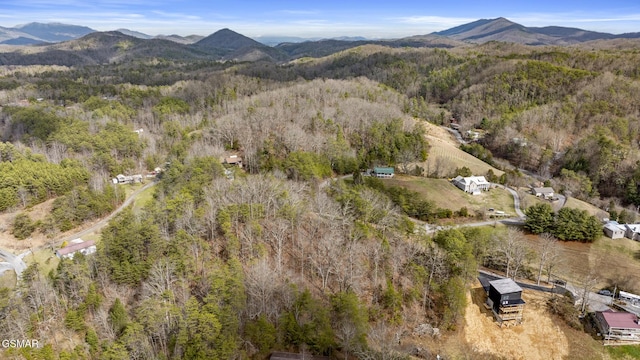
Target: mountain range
pixel 61 44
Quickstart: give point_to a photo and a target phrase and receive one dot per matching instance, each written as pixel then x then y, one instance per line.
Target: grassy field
pixel 143 199
pixel 45 258
pixel 445 195
pixel 592 210
pixel 445 156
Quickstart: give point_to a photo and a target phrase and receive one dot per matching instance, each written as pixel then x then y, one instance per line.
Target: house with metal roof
pixel 505 301
pixel 618 328
pixel 76 246
pixel 543 192
pixel 472 184
pixel 383 172
pixel 614 230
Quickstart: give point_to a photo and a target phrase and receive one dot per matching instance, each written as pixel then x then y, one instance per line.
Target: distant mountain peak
pixel 503 29
pixel 228 39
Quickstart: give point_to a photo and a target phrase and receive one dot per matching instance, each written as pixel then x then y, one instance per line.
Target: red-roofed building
pixel 618 326
pixel 85 247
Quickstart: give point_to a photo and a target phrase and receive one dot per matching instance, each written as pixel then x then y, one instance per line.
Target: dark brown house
pixel 505 301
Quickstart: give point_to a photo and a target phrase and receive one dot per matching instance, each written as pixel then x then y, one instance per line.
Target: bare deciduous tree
pixel 547 251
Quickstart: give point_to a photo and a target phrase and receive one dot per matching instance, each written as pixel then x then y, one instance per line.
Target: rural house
pixel 383 172
pixel 614 230
pixel 543 192
pixel 234 160
pixel 77 245
pixel 618 326
pixel 632 231
pixel 472 184
pixel 127 179
pixel 505 301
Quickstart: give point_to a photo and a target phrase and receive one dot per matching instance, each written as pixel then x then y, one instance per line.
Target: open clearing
pixel 40 211
pixel 445 156
pixel 592 210
pixel 540 336
pixel 445 195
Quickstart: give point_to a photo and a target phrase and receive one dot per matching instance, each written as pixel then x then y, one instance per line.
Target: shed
pixel 505 300
pixel 383 172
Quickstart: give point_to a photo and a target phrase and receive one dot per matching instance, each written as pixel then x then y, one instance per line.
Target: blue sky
pixel 328 18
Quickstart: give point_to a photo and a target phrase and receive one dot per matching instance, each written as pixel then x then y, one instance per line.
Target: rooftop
pixel 621 320
pixel 471 179
pixel 383 170
pixel 543 190
pixel 505 286
pixel 75 247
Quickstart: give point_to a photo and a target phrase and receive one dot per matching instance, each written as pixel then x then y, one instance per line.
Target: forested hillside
pixel 227 262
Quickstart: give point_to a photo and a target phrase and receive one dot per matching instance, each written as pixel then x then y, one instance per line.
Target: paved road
pixel 595 302
pixel 516 201
pixel 12 262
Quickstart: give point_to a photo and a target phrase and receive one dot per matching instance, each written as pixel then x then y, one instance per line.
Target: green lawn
pixel 143 199
pixel 624 351
pixel 445 195
pixel 45 258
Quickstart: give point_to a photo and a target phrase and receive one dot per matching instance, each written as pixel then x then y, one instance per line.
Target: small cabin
pixel 234 160
pixel 505 301
pixel 383 172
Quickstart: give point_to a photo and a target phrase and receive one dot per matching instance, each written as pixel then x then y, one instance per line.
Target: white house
pixel 543 192
pixel 632 231
pixel 127 179
pixel 472 184
pixel 614 230
pixel 77 245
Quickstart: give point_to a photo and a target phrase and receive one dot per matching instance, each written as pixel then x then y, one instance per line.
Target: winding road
pixel 17 263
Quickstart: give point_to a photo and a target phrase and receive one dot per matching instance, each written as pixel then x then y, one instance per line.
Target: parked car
pixel 605 292
pixel 559 282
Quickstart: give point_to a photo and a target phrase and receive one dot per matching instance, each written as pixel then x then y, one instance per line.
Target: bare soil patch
pixel 538 337
pixel 9 242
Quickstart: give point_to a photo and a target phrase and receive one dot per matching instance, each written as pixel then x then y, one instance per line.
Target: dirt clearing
pixel 538 337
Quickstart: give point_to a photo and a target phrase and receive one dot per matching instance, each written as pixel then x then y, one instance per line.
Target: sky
pixel 324 18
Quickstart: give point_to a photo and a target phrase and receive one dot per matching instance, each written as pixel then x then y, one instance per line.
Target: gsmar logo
pixel 19 343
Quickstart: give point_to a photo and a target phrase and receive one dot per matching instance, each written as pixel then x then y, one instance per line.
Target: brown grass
pixel 445 152
pixel 540 336
pixel 592 210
